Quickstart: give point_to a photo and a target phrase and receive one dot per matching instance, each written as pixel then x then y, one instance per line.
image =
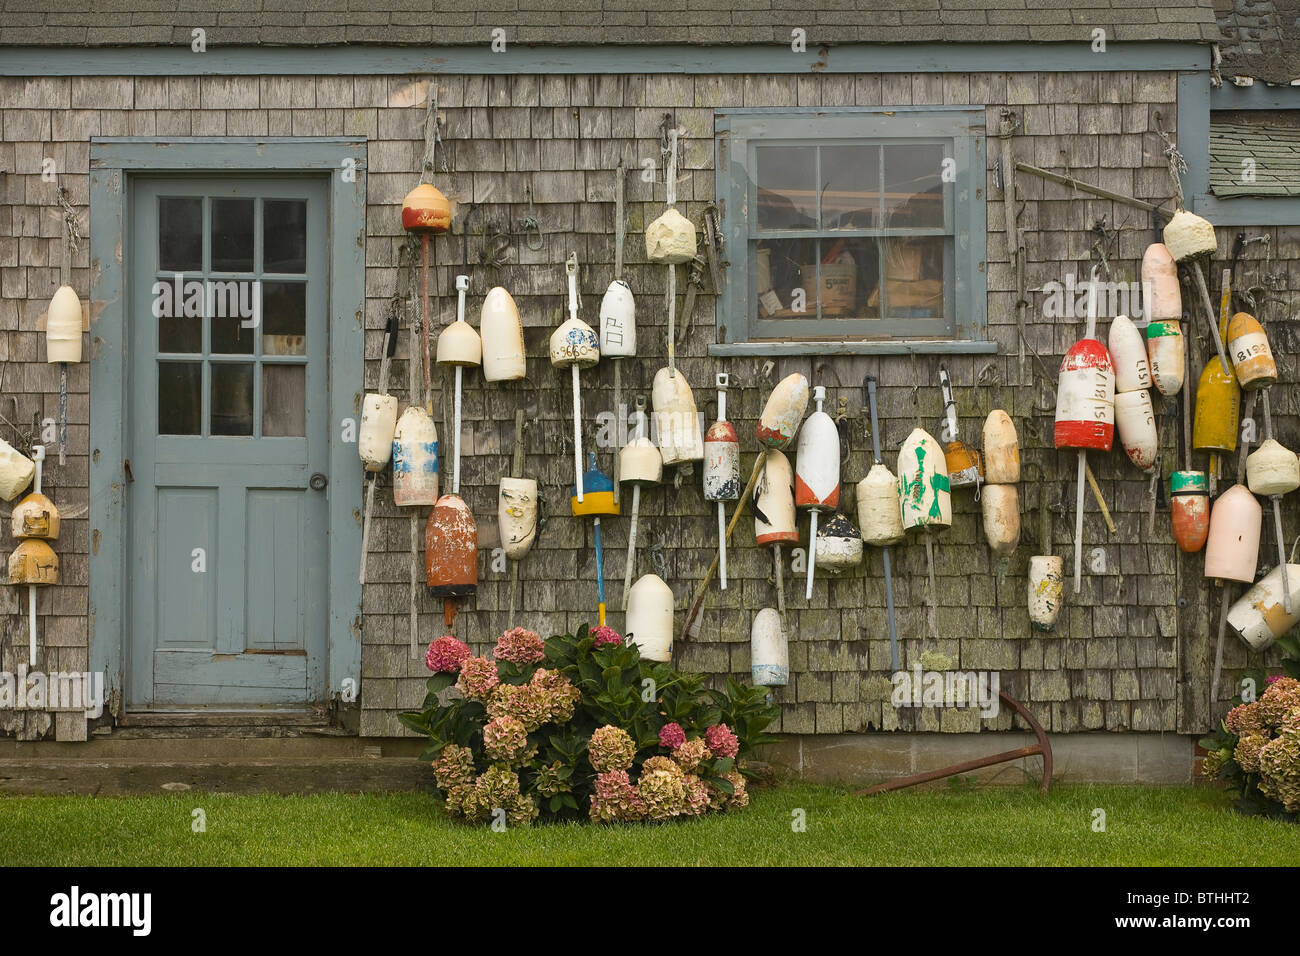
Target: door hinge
pixel 126 467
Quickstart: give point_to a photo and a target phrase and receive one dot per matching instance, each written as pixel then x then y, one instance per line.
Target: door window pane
pixel 914 186
pixel 232 398
pixel 787 189
pixel 284 400
pixel 233 314
pixel 180 398
pixel 232 235
pixel 180 234
pixel 850 187
pixel 284 235
pixel 179 332
pixel 284 318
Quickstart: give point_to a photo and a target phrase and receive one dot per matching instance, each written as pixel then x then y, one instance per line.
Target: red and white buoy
pixel 817 473
pixel 783 412
pixel 722 471
pixel 1085 409
pixel 1163 304
pixel 574 345
pixel 774 523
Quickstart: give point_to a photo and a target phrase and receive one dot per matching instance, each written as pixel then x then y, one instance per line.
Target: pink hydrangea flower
pixel 519 646
pixel 671 736
pixel 446 654
pixel 478 678
pixel 722 741
pixel 605 635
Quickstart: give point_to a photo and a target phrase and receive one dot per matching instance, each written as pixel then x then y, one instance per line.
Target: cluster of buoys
pixel 34 522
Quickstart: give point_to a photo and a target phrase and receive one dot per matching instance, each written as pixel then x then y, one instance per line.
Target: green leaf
pixel 723 764
pixel 439 682
pixel 722 784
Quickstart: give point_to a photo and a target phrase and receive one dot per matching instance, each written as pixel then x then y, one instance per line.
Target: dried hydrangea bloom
pixel 697 796
pixel 520 646
pixel 505 739
pixel 454 765
pixel 1247 752
pixel 1281 697
pixel 478 678
pixel 1244 719
pixel 611 748
pixel 615 800
pixel 690 754
pixel 661 786
pixel 556 694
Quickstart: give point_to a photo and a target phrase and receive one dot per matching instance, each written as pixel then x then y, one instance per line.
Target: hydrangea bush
pixel 580 726
pixel 1256 749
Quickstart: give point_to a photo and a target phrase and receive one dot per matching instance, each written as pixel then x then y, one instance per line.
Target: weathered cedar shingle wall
pixel 1112 662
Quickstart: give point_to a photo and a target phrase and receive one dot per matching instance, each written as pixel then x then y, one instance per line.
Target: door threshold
pixel 303 717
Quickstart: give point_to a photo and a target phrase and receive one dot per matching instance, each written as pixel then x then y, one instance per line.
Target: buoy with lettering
pixel 774 522
pixel 1001 449
pixel 1189 509
pixel 1135 421
pixel 722 471
pixel 676 418
pixel 598 501
pixel 1085 409
pixel 779 423
pixel 415 459
pixel 1232 549
pixel 838 545
pixel 649 621
pixel 1191 239
pixel 1128 354
pixel 1261 615
pixel 574 346
pixel 769 653
pixel 640 465
pixel 817 474
pixel 1166 352
pixel 1163 304
pixel 1252 359
pixel 502 336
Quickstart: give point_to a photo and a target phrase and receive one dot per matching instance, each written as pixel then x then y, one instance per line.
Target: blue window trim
pixel 112 161
pixel 737 305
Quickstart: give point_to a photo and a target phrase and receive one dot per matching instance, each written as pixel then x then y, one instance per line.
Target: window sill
pixel 924 347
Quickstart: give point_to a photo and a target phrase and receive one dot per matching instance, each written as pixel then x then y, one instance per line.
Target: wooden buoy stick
pixel 631 542
pixel 812 553
pixel 620 230
pixel 1096 494
pixel 778 571
pixel 670 187
pixel 1276 501
pixel 425 319
pixel 691 626
pixel 722 545
pixel 1195 268
pixel 455 428
pixel 1078 526
pixel 390 339
pixel 1218 649
pixel 516 471
pixel 933 615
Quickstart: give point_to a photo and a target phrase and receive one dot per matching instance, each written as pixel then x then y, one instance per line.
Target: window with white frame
pixel 852 224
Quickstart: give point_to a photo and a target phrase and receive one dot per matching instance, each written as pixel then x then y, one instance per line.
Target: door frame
pixel 113 160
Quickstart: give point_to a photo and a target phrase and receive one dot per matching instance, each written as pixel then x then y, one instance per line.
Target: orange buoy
pixel 425 209
pixel 451 549
pixel 1189 509
pixel 1252 359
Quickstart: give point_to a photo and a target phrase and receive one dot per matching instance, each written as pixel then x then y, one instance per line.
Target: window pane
pixel 284 235
pixel 284 400
pixel 178 332
pixel 850 187
pixel 284 318
pixel 180 397
pixel 232 235
pixel 234 315
pixel 180 234
pixel 914 186
pixel 787 191
pixel 914 274
pixel 232 398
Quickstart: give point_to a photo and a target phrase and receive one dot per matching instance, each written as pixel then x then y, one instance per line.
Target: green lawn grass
pixel 1143 827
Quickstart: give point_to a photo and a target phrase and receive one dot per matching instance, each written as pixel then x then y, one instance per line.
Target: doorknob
pixel 318 482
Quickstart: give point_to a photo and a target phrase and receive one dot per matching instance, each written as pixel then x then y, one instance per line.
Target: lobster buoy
pixel 517 516
pixel 1001 449
pixel 1135 420
pixel 1252 359
pixel 1128 354
pixel 670 238
pixel 1259 617
pixel 774 509
pixel 923 495
pixel 1046 590
pixel 722 471
pixel 769 653
pixel 459 345
pixel 451 549
pixel 35 517
pixel 785 408
pixel 425 209
pixel 1189 509
pixel 415 459
pixel 1272 469
pixel 639 462
pixel 33 563
pixel 63 326
pixel 839 545
pixel 878 511
pixel 16 471
pixel 1001 508
pixel 574 344
pixel 817 473
pixel 618 321
pixel 1188 237
pixel 649 622
pixel 1085 398
pixel 1232 549
pixel 502 338
pixel 1167 355
pixel 1162 301
pixel 1218 409
pixel 676 418
pixel 375 437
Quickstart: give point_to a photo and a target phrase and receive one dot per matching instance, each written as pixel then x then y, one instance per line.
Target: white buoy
pixel 779 423
pixel 878 511
pixel 575 345
pixel 618 321
pixel 1128 354
pixel 63 327
pixel 923 495
pixel 722 471
pixel 517 515
pixel 375 436
pixel 774 521
pixel 1000 505
pixel 640 465
pixel 1260 616
pixel 16 471
pixel 415 459
pixel 649 622
pixel 769 653
pixel 1135 423
pixel 838 545
pixel 1001 449
pixel 502 336
pixel 1046 590
pixel 676 418
pixel 817 474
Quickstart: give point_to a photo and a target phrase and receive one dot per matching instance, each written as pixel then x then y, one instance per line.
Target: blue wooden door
pixel 228 436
